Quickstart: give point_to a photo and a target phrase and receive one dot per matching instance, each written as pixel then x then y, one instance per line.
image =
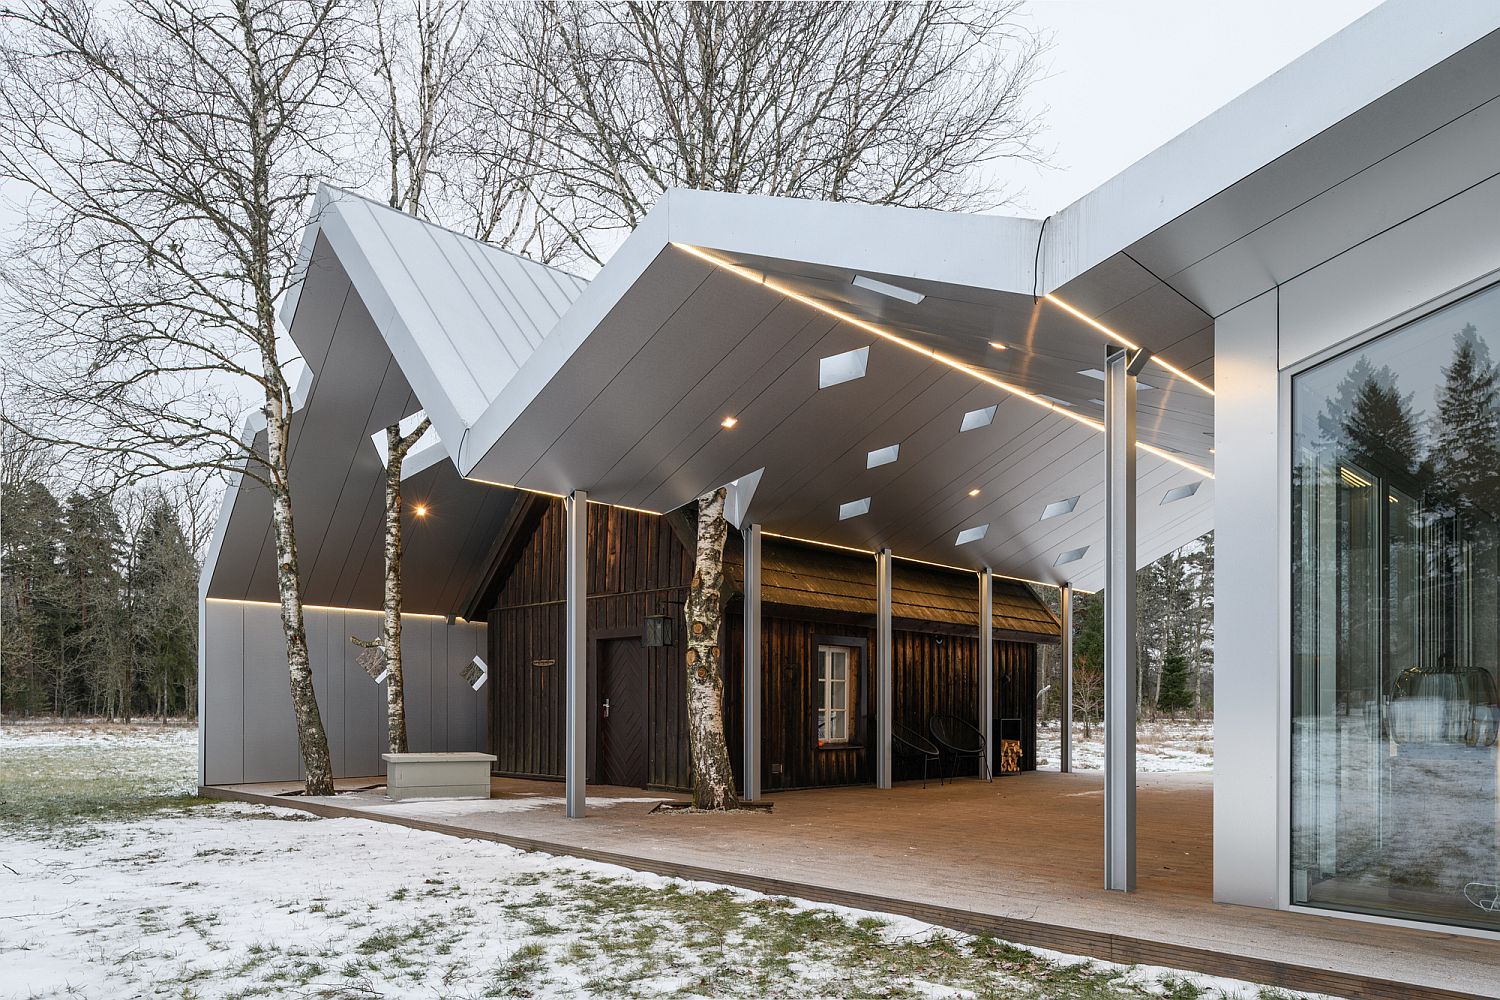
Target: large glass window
pixel 1396 622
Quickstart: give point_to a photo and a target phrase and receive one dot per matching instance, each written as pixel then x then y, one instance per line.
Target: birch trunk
pixel 397 447
pixel 312 740
pixel 713 780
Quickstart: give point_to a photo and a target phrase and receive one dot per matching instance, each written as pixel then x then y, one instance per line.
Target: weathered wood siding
pixel 636 567
pixel 933 673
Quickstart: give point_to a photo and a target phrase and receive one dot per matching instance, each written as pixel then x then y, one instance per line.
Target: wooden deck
pixel 1020 859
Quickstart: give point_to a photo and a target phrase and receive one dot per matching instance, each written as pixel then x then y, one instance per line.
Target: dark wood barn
pixel 818 631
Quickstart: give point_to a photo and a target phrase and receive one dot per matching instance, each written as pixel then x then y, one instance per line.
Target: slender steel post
pixel 751 778
pixel 576 615
pixel 1119 619
pixel 1065 598
pixel 883 671
pixel 987 670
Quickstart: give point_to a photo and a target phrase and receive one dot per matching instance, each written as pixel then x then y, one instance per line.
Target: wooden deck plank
pixel 1020 859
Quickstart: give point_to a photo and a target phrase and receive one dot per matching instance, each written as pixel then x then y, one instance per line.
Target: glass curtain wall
pixel 1396 623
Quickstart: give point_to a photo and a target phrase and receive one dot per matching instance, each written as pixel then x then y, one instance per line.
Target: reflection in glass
pixel 1396 623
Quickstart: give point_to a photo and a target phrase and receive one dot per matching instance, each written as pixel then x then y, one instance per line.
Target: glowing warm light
pixel 457 619
pixel 998 346
pixel 760 279
pixel 728 422
pixel 420 510
pixel 1124 341
pixel 973 493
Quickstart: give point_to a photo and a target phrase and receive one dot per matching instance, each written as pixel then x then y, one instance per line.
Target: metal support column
pixel 883 671
pixel 1065 599
pixel 575 614
pixel 987 670
pixel 751 777
pixel 1121 369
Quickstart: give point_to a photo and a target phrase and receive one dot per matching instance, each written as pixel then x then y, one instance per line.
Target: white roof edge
pixel 1391 45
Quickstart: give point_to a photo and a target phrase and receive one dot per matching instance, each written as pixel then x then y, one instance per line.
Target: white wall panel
pixel 1247 668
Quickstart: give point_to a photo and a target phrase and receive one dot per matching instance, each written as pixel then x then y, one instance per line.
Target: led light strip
pixel 1123 341
pixel 457 619
pixel 911 559
pixel 757 278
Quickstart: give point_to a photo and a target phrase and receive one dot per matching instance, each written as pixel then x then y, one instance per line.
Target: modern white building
pixel 1281 326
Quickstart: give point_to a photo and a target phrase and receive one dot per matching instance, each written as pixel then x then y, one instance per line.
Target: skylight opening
pixel 1099 374
pixel 886 288
pixel 1180 492
pixel 841 368
pixel 975 419
pixel 854 508
pixel 1069 556
pixel 1058 508
pixel 882 456
pixel 973 534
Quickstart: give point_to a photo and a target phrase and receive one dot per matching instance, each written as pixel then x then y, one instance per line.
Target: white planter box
pixel 437 775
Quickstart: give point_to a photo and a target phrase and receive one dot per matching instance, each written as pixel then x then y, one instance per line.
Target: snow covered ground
pixel 1162 745
pixel 191 899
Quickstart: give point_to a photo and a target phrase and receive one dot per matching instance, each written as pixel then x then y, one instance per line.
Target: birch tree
pixel 882 103
pixel 168 150
pixel 386 651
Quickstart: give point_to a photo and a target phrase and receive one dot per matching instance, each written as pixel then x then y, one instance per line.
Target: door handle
pixel 606 708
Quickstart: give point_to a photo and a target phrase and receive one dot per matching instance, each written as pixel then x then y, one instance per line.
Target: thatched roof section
pixel 810 576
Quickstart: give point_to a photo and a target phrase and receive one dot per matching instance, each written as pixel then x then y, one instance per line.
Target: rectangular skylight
pixel 1099 374
pixel 975 419
pixel 882 456
pixel 971 534
pixel 1058 508
pixel 1180 492
pixel 885 288
pixel 844 367
pixel 854 508
pixel 1071 555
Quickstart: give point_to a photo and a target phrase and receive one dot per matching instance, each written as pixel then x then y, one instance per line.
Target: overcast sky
pixel 1127 75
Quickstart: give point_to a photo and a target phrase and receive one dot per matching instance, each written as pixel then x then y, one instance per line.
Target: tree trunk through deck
pixel 713 780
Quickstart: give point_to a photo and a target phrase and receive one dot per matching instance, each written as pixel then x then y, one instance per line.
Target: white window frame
pixel 825 682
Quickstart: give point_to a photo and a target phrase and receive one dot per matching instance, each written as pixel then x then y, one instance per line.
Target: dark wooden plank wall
pixel 636 567
pixel 933 673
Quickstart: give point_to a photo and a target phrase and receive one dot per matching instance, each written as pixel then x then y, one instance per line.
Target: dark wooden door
pixel 622 712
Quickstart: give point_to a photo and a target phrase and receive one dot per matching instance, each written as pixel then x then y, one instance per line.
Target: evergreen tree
pixel 31 597
pixel 1174 694
pixel 95 652
pixel 163 608
pixel 1466 435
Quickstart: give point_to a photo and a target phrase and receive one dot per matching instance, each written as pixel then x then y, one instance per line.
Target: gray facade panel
pixel 249 732
pixel 1247 669
pixel 223 730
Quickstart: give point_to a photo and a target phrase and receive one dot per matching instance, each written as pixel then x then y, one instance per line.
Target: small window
pixel 834 694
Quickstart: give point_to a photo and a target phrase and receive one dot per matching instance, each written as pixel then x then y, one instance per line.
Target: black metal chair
pixel 960 740
pixel 909 744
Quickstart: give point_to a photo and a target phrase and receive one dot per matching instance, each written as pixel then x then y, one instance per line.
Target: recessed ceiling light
pixel 973 534
pixel 854 508
pixel 1071 555
pixel 885 288
pixel 420 510
pixel 844 367
pixel 729 422
pixel 882 456
pixel 975 419
pixel 1180 492
pixel 1059 507
pixel 998 346
pixel 974 492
